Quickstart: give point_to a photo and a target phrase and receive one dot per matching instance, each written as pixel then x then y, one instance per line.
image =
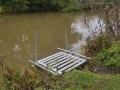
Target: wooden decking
pixel 61 62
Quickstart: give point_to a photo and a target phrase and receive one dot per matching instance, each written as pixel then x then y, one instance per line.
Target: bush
pixel 101 40
pixel 104 46
pixel 111 57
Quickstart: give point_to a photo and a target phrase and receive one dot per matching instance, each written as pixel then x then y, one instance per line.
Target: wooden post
pixel 36 41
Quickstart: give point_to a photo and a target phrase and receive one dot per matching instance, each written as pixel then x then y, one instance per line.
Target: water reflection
pixel 24 38
pixel 0 40
pixel 85 27
pixel 16 48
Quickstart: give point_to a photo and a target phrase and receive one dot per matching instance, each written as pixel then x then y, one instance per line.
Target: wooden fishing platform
pixel 61 62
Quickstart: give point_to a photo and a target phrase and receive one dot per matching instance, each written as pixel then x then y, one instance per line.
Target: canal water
pixel 17 34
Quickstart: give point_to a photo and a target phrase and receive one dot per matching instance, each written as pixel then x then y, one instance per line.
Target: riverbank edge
pixel 71 7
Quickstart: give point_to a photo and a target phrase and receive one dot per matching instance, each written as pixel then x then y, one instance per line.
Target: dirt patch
pixel 98 68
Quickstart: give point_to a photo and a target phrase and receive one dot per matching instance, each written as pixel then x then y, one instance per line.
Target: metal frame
pixel 61 62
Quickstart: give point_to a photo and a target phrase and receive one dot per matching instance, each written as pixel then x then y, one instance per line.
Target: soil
pixel 99 69
pixel 102 70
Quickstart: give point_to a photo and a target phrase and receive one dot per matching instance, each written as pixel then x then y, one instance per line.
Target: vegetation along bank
pixel 102 72
pixel 20 6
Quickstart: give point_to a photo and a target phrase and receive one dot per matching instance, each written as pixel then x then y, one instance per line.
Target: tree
pixel 83 1
pixel 3 2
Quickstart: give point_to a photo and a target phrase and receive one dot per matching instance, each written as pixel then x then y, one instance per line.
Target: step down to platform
pixel 61 62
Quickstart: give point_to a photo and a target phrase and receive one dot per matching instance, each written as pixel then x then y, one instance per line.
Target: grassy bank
pixel 74 80
pixel 105 45
pixel 86 80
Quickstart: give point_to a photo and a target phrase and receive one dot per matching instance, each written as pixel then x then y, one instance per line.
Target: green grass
pixel 86 80
pixel 110 57
pixel 73 80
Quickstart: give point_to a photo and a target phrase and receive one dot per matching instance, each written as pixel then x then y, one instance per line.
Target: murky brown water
pixel 17 34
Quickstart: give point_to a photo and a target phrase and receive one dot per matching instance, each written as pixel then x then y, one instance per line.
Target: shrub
pixel 111 57
pixel 101 40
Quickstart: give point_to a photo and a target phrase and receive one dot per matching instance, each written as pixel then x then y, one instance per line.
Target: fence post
pixel 36 41
pixel 66 40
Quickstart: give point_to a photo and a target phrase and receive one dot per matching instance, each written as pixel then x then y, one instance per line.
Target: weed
pixel 103 40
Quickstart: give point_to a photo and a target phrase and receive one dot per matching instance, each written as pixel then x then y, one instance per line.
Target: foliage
pixel 25 79
pixel 104 45
pixel 74 80
pixel 17 6
pixel 102 40
pixel 33 5
pixel 74 7
pixel 111 57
